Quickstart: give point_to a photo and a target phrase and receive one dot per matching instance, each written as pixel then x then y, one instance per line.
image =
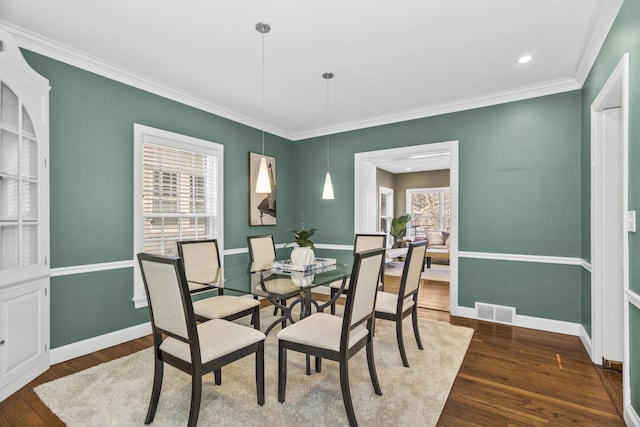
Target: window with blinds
pixel 179 197
pixel 178 194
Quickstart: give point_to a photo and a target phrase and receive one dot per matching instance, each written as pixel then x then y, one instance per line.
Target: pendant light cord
pixel 327 123
pixel 327 191
pixel 262 94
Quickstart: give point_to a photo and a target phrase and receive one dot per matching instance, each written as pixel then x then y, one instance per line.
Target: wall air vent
pixel 495 313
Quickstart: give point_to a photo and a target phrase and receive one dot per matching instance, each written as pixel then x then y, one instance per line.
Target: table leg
pixel 331 303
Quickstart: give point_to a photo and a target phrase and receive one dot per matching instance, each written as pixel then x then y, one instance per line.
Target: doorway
pixel 609 204
pixel 365 200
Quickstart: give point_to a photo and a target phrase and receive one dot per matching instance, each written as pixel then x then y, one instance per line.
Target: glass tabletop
pixel 262 280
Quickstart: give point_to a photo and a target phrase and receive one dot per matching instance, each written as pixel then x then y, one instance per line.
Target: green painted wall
pixel 535 289
pixel 623 37
pixel 519 175
pixel 91 145
pixel 518 194
pixel 91 304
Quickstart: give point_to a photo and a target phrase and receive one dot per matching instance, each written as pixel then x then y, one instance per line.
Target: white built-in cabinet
pixel 24 220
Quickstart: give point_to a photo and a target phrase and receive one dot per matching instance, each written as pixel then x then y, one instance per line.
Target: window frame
pixel 441 190
pixel 145 134
pixel 390 209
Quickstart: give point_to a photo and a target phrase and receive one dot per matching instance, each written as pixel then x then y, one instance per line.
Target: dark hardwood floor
pixel 510 376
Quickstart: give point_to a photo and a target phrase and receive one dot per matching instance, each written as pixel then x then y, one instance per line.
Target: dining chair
pixel 262 249
pixel 201 260
pixel 396 307
pixel 362 242
pixel 179 341
pixel 327 336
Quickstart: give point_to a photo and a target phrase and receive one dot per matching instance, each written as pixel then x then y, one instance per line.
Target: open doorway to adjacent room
pixel 610 223
pixel 386 181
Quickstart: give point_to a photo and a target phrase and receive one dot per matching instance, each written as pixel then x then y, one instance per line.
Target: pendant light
pixel 327 191
pixel 263 184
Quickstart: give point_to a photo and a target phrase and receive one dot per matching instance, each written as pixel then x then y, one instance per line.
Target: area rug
pixel 437 272
pixel 116 393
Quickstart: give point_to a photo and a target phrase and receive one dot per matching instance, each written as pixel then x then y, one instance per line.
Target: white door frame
pixel 366 197
pixel 614 94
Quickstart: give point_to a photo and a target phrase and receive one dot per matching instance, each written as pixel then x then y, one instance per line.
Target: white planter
pixel 302 279
pixel 302 256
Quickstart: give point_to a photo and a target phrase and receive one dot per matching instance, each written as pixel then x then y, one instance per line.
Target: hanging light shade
pixel 263 184
pixel 327 191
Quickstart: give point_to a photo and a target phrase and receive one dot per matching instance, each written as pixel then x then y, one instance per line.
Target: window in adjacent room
pixel 178 192
pixel 430 209
pixel 385 209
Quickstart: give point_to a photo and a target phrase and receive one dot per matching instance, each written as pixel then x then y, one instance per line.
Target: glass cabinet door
pixel 19 184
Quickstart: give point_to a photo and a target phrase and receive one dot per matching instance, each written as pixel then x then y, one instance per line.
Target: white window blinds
pixel 179 192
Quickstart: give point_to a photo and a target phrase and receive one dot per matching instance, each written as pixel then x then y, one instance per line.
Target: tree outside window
pixel 430 209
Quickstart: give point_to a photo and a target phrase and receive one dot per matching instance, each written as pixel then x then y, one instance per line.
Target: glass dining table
pixel 277 285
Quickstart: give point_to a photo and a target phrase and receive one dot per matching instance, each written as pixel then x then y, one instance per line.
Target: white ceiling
pixel 407 164
pixel 393 59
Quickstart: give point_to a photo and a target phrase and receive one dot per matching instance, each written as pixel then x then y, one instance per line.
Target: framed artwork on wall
pixel 262 206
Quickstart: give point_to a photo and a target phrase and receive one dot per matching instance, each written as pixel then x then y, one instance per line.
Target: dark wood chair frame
pixel 401 313
pixel 345 353
pixel 253 312
pixel 345 289
pixel 196 368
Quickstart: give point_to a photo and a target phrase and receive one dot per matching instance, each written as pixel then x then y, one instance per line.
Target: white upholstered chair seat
pixel 217 338
pixel 197 286
pixel 338 283
pixel 221 306
pixel 387 302
pixel 279 286
pixel 321 330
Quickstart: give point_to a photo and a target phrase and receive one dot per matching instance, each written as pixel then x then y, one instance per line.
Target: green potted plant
pixel 399 228
pixel 303 253
pixel 303 237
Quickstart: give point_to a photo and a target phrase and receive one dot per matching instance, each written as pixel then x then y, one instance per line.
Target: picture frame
pixel 262 206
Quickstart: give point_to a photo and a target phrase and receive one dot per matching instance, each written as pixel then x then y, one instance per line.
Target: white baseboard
pixel 557 326
pixel 586 342
pixel 538 323
pixel 90 345
pixel 631 417
pixel 18 382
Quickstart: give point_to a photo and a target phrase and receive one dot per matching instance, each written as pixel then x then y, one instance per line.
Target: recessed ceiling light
pixel 422 156
pixel 407 169
pixel 524 59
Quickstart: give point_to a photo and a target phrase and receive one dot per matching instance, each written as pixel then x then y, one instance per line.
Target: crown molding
pixel 38 44
pixel 549 88
pixel 602 22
